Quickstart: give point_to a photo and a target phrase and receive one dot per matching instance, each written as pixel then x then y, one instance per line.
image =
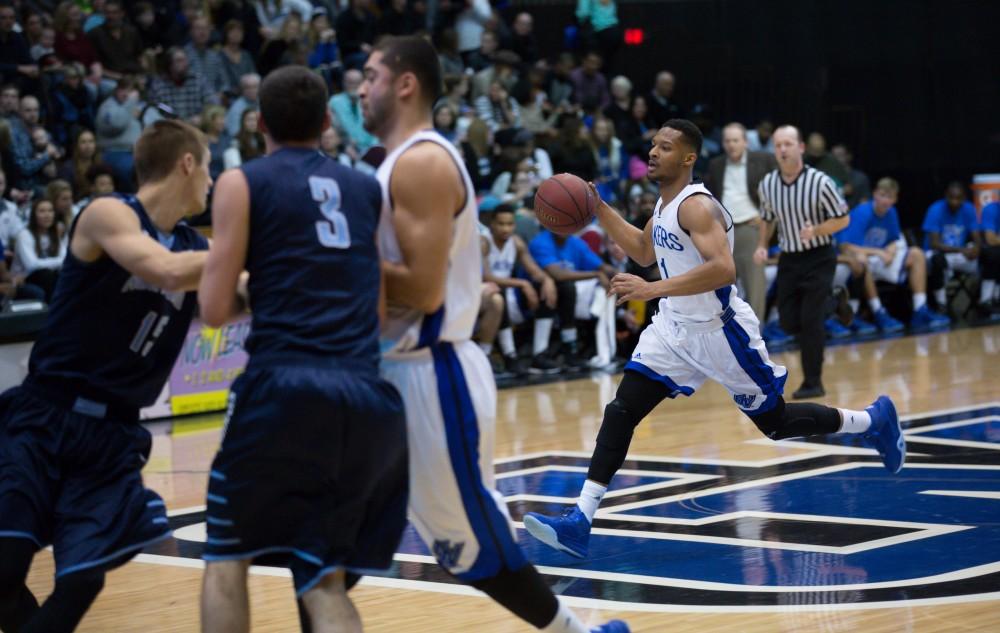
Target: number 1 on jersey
pixel 333 232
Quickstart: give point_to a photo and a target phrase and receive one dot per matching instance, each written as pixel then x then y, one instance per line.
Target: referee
pixel 808 209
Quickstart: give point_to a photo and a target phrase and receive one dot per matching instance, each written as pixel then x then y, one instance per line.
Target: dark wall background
pixel 912 86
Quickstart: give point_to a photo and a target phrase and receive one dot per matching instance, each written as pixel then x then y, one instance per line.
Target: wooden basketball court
pixel 712 527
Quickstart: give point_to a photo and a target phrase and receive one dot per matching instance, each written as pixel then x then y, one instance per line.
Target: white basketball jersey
pixel 407 329
pixel 676 254
pixel 502 260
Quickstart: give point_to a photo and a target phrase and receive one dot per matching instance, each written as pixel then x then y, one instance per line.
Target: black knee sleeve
pixel 935 273
pixel 72 596
pixel 523 593
pixel 797 419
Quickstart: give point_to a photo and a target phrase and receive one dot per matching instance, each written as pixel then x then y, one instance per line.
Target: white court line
pixel 975 494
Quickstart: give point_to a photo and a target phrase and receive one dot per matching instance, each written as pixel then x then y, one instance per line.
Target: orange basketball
pixel 564 204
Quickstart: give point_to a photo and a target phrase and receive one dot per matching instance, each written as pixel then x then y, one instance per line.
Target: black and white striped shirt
pixel 812 197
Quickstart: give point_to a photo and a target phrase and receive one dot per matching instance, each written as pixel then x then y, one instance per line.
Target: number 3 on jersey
pixel 333 232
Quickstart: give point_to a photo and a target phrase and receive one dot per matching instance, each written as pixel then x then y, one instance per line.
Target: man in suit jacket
pixel 733 178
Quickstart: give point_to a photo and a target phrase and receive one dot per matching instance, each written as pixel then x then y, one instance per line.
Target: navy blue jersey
pixel 312 259
pixel 110 335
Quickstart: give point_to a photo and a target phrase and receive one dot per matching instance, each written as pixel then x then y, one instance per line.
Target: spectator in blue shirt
pixel 951 238
pixel 989 258
pixel 577 271
pixel 874 235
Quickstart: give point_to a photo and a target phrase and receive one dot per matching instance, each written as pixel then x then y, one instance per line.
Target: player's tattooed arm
pixel 109 226
pixel 218 292
pixel 427 193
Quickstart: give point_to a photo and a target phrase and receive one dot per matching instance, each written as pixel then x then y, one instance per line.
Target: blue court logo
pixel 820 526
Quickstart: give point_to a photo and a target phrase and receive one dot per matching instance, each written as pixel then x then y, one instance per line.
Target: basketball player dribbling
pixel 703 330
pixel 71 445
pixel 431 261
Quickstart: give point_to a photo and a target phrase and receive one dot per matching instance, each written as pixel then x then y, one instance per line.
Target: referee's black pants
pixel 804 283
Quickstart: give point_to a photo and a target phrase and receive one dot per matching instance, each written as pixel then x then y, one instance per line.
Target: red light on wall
pixel 634 37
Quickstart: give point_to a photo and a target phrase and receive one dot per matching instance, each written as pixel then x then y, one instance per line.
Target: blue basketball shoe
pixel 887 323
pixel 568 532
pixel 612 626
pixel 835 330
pixel 927 318
pixel 862 328
pixel 885 434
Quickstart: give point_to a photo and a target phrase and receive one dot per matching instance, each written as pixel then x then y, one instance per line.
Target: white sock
pixel 506 339
pixel 590 498
pixel 940 297
pixel 855 304
pixel 486 347
pixel 568 335
pixel 543 329
pixel 919 300
pixel 565 622
pixel 854 421
pixel 986 290
pixel 875 304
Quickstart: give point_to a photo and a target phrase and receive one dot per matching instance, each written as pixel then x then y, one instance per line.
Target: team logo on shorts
pixel 822 525
pixel 744 400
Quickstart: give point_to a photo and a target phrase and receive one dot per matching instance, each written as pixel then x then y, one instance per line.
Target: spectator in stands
pixel 153 36
pixel 356 33
pixel 577 272
pixel 271 14
pixel 470 24
pixel 522 39
pixel 571 151
pixel 445 120
pixel 10 101
pixel 662 106
pixel 346 110
pixel 16 64
pixel 44 52
pixel 29 161
pixel 324 54
pixel 498 109
pixel 249 87
pixel 611 159
pixel 213 125
pixel 72 106
pixel 249 142
pixel 598 20
pixel 478 153
pixel 203 60
pixel 590 87
pixel 456 91
pixel 180 89
pixel 96 16
pixel 619 110
pixel 874 235
pixel 12 219
pixel 989 259
pixel 60 194
pixel 857 188
pixel 42 141
pixel 41 248
pixel 332 144
pixel 83 156
pixel 235 61
pixel 118 128
pixel 289 47
pixel 733 178
pixel 398 18
pixel 759 139
pixel 504 254
pixel 638 130
pixel 504 69
pixel 951 239
pixel 71 43
pixel 817 156
pixel 102 182
pixel 117 43
pixel 448 56
pixel 485 56
pixel 32 27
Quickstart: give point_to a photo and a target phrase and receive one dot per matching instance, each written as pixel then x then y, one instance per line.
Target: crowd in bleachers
pixel 81 79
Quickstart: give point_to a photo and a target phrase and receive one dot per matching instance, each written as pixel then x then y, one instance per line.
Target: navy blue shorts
pixel 75 482
pixel 312 473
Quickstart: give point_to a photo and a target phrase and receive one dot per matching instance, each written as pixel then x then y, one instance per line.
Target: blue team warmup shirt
pixel 991 217
pixel 574 254
pixel 870 230
pixel 954 228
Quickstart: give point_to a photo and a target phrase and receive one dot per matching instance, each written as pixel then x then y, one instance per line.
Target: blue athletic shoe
pixel 774 335
pixel 863 328
pixel 568 532
pixel 613 626
pixel 885 435
pixel 835 330
pixel 886 323
pixel 927 318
